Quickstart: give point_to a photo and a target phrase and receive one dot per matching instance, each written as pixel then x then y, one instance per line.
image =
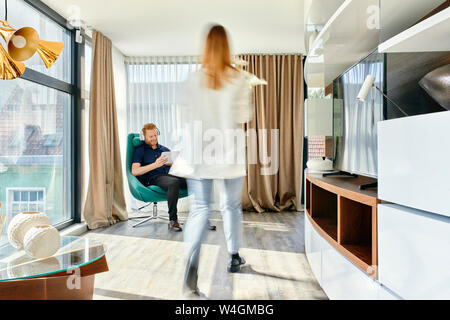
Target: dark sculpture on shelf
pixel 437 84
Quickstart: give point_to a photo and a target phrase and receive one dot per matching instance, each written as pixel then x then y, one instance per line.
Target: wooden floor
pixel 148 262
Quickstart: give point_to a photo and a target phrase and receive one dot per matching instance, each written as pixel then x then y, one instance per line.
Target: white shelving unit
pixel 348 35
pixel 415 174
pixel 432 34
pixel 344 40
pixel 414 221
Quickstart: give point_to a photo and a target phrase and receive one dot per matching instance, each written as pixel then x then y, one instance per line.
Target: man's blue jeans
pixel 200 210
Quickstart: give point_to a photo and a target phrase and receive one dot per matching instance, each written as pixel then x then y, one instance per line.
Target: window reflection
pixel 32 149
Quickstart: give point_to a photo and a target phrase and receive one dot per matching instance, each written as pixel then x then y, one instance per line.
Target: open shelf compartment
pixel 355 228
pixel 308 196
pixel 324 210
pixel 346 217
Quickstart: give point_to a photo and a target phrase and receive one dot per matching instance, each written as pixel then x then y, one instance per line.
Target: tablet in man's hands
pixel 171 156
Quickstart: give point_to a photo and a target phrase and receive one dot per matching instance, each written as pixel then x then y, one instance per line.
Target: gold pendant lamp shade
pixel 49 51
pixel 22 44
pixel 9 68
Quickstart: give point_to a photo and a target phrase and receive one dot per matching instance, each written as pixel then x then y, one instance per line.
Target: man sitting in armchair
pixel 151 168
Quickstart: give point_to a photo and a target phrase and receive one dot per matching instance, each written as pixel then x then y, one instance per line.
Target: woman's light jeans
pixel 197 221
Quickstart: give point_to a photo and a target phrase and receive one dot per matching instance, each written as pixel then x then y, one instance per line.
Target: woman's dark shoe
pixel 235 262
pixel 174 226
pixel 190 280
pixel 211 227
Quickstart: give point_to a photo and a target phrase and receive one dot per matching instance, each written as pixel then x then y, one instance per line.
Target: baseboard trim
pixel 76 229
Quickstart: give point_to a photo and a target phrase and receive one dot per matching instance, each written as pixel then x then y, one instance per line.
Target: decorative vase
pixel 23 222
pixel 41 241
pixel 320 165
pixel 436 83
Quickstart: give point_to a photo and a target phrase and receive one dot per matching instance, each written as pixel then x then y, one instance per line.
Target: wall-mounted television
pixel 355 122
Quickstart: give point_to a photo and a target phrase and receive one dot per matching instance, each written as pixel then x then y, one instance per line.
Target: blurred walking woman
pixel 215 103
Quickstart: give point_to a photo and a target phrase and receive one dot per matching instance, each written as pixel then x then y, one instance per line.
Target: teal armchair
pixel 151 194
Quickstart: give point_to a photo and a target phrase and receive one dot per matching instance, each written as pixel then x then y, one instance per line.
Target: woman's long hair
pixel 216 57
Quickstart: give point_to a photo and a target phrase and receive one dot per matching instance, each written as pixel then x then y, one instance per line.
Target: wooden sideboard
pixel 345 217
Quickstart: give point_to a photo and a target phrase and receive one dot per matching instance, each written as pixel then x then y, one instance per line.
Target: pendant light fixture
pixel 22 44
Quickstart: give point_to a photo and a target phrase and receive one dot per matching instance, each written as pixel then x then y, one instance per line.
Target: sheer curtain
pixel 153 85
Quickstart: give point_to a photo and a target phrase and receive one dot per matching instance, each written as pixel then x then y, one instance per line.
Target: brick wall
pixel 319 147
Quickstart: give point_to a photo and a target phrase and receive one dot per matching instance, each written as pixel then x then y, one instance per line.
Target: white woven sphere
pixel 41 241
pixel 23 222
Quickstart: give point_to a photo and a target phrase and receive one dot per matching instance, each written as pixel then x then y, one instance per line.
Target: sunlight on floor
pixel 142 268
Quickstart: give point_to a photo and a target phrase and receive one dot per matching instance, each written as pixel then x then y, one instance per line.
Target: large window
pixel 35 143
pixel 37 114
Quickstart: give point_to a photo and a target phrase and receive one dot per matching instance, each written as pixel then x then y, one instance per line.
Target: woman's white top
pixel 212 143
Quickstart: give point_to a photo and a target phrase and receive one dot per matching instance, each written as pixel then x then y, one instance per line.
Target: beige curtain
pixel 105 202
pixel 278 105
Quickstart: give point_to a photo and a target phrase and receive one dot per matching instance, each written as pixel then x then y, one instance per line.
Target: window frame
pixel 74 89
pixel 10 196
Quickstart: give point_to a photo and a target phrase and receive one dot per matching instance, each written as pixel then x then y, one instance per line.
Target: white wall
pixel 84 167
pixel 120 83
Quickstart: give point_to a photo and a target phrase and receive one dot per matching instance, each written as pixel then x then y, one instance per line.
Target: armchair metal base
pixel 154 216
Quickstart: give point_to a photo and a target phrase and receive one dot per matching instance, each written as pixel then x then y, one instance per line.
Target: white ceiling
pixel 176 27
pixel 317 12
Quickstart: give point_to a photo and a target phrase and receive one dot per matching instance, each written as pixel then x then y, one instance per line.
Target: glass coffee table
pixel 68 274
